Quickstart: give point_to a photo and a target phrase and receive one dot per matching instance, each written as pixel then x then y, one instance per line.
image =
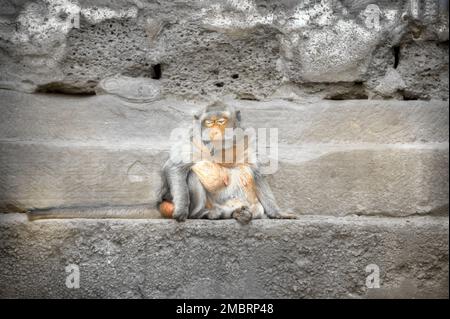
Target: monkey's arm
pixel 267 199
pixel 175 176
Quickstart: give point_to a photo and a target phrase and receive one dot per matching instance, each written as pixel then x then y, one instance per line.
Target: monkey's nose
pixel 214 135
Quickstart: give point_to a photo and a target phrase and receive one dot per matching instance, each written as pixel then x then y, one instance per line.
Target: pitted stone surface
pixel 314 257
pixel 213 48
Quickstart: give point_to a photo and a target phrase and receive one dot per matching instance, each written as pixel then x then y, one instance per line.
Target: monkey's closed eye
pixel 209 123
pixel 222 121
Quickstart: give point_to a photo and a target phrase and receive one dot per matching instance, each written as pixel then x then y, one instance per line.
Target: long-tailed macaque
pixel 220 178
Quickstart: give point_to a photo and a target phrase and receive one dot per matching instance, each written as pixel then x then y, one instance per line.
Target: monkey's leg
pixel 231 209
pixel 177 180
pixel 241 214
pixel 198 210
pixel 198 207
pixel 267 200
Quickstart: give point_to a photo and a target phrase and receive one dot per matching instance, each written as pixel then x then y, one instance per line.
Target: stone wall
pixel 250 49
pixel 90 92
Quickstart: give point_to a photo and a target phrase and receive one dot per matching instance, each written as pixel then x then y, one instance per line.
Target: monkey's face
pixel 214 127
pixel 217 123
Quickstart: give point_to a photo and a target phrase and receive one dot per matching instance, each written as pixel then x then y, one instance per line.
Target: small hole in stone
pixel 396 51
pixel 235 76
pixel 411 96
pixel 63 88
pixel 347 96
pixel 156 72
pixel 63 15
pixel 219 84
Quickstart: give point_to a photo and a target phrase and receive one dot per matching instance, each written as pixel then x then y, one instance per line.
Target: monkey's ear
pixel 238 115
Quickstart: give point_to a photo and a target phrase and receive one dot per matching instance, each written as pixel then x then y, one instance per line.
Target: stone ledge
pixel 306 258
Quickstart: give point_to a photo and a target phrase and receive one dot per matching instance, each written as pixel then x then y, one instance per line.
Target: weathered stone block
pixel 385 181
pixel 106 118
pixel 42 176
pixel 314 257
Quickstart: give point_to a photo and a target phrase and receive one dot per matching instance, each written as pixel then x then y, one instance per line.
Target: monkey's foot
pixel 180 215
pixel 243 215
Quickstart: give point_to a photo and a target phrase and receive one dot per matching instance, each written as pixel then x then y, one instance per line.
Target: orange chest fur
pixel 215 177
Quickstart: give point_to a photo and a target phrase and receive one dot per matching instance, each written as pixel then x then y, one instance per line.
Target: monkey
pixel 221 178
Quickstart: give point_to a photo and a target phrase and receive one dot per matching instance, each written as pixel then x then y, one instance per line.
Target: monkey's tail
pixel 99 212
